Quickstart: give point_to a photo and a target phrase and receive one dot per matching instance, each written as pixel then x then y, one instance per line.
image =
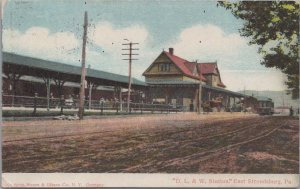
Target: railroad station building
pixel 174 80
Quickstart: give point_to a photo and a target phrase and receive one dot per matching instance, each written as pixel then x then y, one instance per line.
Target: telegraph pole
pixel 130 44
pixel 200 97
pixel 129 77
pixel 83 69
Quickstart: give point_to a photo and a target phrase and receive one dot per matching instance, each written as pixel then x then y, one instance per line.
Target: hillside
pixel 280 98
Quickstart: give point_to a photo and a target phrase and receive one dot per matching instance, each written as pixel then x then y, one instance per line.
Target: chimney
pixel 171 51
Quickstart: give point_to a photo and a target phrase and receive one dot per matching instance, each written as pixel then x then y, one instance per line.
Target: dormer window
pixel 164 67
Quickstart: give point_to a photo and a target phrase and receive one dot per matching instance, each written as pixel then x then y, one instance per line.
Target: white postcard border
pixel 57 180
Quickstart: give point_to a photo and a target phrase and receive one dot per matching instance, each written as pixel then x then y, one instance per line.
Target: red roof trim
pixel 182 65
pixel 207 68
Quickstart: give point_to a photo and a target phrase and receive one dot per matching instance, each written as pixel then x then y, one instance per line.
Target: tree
pixel 274 27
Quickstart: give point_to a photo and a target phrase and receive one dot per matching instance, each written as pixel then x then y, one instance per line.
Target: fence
pixel 62 104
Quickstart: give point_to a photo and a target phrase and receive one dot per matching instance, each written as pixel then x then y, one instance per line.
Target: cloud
pixel 106 35
pixel 105 48
pixel 39 42
pixel 238 62
pixel 207 42
pixel 103 52
pixel 253 80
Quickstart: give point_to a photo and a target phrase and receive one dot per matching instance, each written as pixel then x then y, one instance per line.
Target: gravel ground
pixel 169 143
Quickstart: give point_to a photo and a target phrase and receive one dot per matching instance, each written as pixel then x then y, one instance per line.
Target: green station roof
pixel 193 84
pixel 21 60
pixel 11 58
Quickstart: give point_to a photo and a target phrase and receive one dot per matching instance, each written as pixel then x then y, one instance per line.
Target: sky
pixel 197 30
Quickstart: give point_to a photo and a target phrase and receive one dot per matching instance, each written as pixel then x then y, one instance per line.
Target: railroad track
pixel 217 124
pixel 66 156
pixel 202 156
pixel 209 146
pixel 208 153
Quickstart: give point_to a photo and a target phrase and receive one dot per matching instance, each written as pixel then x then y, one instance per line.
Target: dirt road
pixel 172 143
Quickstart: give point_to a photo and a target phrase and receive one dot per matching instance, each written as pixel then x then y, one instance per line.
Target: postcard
pixel 136 93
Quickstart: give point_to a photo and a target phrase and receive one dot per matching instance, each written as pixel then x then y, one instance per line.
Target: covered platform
pixel 186 94
pixel 58 77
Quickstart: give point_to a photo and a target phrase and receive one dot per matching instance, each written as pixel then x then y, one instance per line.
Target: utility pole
pixel 200 90
pixel 244 105
pixel 130 44
pixel 282 98
pixel 48 85
pixel 83 70
pixel 199 97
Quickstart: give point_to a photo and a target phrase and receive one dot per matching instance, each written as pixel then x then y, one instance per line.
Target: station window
pixel 161 67
pixel 164 67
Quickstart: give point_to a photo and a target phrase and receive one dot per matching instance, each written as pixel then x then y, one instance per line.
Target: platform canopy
pixel 180 83
pixel 30 66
